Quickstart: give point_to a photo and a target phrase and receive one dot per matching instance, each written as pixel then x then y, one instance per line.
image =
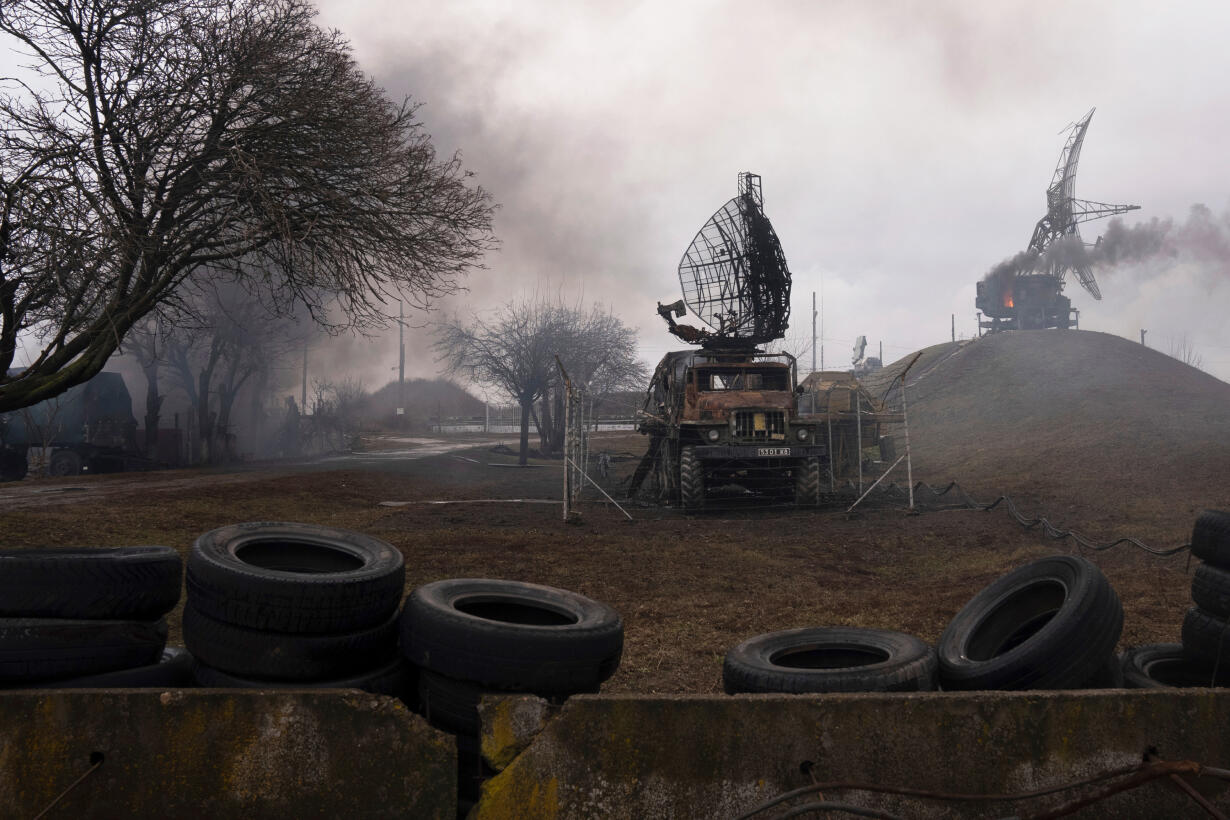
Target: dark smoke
pixel 1203 238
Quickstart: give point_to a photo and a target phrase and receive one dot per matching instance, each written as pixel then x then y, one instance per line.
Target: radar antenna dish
pixel 734 274
pixel 1064 211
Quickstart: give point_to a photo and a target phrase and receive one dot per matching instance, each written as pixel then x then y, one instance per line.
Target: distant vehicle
pixel 89 428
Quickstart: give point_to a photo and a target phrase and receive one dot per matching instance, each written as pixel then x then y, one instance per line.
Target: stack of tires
pixel 90 617
pixel 274 604
pixel 470 636
pixel 1203 658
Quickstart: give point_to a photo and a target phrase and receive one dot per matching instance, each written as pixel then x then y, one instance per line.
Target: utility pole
pixel 303 394
pixel 813 331
pixel 881 353
pixel 821 322
pixel 1142 335
pixel 401 365
pixel 954 327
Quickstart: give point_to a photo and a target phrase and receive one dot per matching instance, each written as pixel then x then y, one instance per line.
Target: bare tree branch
pixel 170 141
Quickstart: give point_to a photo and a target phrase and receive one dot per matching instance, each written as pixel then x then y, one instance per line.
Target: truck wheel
pixel 64 462
pixel 691 480
pixel 830 659
pixel 807 482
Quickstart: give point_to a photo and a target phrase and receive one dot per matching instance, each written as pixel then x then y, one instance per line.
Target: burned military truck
pixel 727 414
pixel 729 418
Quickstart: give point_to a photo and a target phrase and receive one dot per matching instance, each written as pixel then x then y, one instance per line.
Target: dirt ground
pixel 688 587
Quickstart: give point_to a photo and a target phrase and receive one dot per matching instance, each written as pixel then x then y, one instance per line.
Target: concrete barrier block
pixel 627 756
pixel 222 754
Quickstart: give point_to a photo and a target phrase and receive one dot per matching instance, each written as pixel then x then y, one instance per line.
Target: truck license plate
pixel 773 451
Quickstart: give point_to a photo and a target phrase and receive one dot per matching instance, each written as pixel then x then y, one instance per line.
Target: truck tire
pixel 1046 625
pixel 1211 589
pixel 173 670
pixel 1206 638
pixel 830 659
pixel 39 649
pixel 396 678
pixel 104 583
pixel 65 463
pixel 691 480
pixel 288 577
pixel 266 655
pixel 1211 537
pixel 807 482
pixel 512 636
pixel 1167 665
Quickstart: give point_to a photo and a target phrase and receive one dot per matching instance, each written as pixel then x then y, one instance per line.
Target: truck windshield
pixel 711 380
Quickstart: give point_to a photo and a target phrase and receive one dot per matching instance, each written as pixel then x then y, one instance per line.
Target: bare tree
pixel 162 141
pixel 1183 349
pixel 219 345
pixel 515 353
pixel 599 351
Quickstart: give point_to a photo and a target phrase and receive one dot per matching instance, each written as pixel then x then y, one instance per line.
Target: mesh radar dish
pixel 734 274
pixel 1064 211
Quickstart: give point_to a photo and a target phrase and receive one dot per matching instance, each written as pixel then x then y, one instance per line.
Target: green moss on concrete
pixel 221 754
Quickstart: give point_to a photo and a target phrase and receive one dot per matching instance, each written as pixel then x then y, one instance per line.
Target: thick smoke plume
pixel 1203 238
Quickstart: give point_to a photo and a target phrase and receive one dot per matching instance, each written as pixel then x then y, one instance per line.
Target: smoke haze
pixel 903 147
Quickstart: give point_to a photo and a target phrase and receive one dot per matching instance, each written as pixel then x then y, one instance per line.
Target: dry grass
pixel 1004 416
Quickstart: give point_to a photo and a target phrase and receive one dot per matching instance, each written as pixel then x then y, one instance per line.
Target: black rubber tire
pixel 104 583
pixel 1046 625
pixel 1211 589
pixel 266 655
pixel 830 659
pixel 173 670
pixel 42 649
pixel 1206 637
pixel 691 480
pixel 451 704
pixel 65 463
pixel 807 482
pixel 297 578
pixel 1108 675
pixel 512 636
pixel 1168 666
pixel 1211 537
pixel 395 678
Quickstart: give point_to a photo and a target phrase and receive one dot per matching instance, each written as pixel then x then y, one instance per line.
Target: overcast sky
pixel 905 149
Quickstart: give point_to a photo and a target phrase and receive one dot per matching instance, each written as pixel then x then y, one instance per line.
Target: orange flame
pixel 1008 298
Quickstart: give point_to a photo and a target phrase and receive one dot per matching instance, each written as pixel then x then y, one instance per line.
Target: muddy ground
pixel 688 587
